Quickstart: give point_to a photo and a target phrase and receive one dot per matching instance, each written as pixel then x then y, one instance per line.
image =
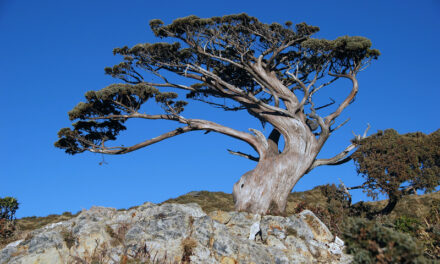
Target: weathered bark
pixel 264 190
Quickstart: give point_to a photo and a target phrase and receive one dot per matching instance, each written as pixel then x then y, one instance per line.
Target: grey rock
pixel 173 232
pixel 319 230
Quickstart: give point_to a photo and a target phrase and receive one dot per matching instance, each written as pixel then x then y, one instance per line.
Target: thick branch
pixel 273 140
pixel 123 150
pixel 233 92
pixel 342 157
pixel 273 84
pixel 256 141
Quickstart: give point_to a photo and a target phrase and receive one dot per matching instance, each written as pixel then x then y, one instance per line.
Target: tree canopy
pixel 396 165
pixel 224 56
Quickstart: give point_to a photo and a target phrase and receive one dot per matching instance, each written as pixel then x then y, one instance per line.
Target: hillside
pixel 414 206
pixel 412 215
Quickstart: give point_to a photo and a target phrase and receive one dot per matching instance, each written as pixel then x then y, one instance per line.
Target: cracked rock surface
pixel 177 233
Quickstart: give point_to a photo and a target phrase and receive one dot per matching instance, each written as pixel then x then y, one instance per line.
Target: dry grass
pixel 33 222
pixel 209 201
pixel 414 206
pixel 69 238
pixel 188 244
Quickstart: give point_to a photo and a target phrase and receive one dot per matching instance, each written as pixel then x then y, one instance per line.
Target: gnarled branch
pixel 347 100
pixel 342 157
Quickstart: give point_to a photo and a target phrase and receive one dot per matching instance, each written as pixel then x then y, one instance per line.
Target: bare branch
pixel 339 126
pixel 342 157
pixel 306 89
pixel 347 100
pixel 256 141
pixel 281 48
pixel 171 85
pixel 345 191
pixel 223 106
pixel 322 85
pixel 324 128
pixel 241 154
pixel 123 150
pixel 326 105
pixel 202 51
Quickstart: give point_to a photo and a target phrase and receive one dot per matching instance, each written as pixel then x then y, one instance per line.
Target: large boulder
pixel 176 233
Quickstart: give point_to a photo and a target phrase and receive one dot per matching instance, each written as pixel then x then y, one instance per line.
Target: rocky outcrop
pixel 175 233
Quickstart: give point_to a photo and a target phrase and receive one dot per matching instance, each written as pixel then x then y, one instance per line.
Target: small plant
pixel 118 237
pixel 301 206
pixel 188 245
pixel 406 224
pixel 69 238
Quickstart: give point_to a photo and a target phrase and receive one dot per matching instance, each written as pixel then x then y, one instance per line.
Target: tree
pixel 8 207
pixel 235 63
pixel 397 165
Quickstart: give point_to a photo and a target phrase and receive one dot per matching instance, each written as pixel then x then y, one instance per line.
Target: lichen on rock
pixel 176 233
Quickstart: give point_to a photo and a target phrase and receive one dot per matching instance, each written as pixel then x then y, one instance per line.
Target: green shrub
pixel 406 224
pixel 371 242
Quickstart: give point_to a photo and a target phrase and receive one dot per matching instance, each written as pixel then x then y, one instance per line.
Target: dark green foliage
pixel 371 242
pixel 397 165
pixel 114 100
pixel 8 207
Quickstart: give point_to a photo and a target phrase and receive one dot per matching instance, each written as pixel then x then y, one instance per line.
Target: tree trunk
pixel 264 190
pixel 392 202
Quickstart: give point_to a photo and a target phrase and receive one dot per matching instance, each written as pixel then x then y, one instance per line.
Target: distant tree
pixel 397 165
pixel 8 207
pixel 235 63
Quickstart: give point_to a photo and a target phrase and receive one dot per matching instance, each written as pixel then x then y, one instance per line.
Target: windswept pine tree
pixel 272 71
pixel 398 165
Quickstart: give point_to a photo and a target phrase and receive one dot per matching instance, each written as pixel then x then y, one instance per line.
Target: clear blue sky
pixel 52 52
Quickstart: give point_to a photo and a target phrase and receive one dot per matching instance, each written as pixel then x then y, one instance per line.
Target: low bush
pixel 371 242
